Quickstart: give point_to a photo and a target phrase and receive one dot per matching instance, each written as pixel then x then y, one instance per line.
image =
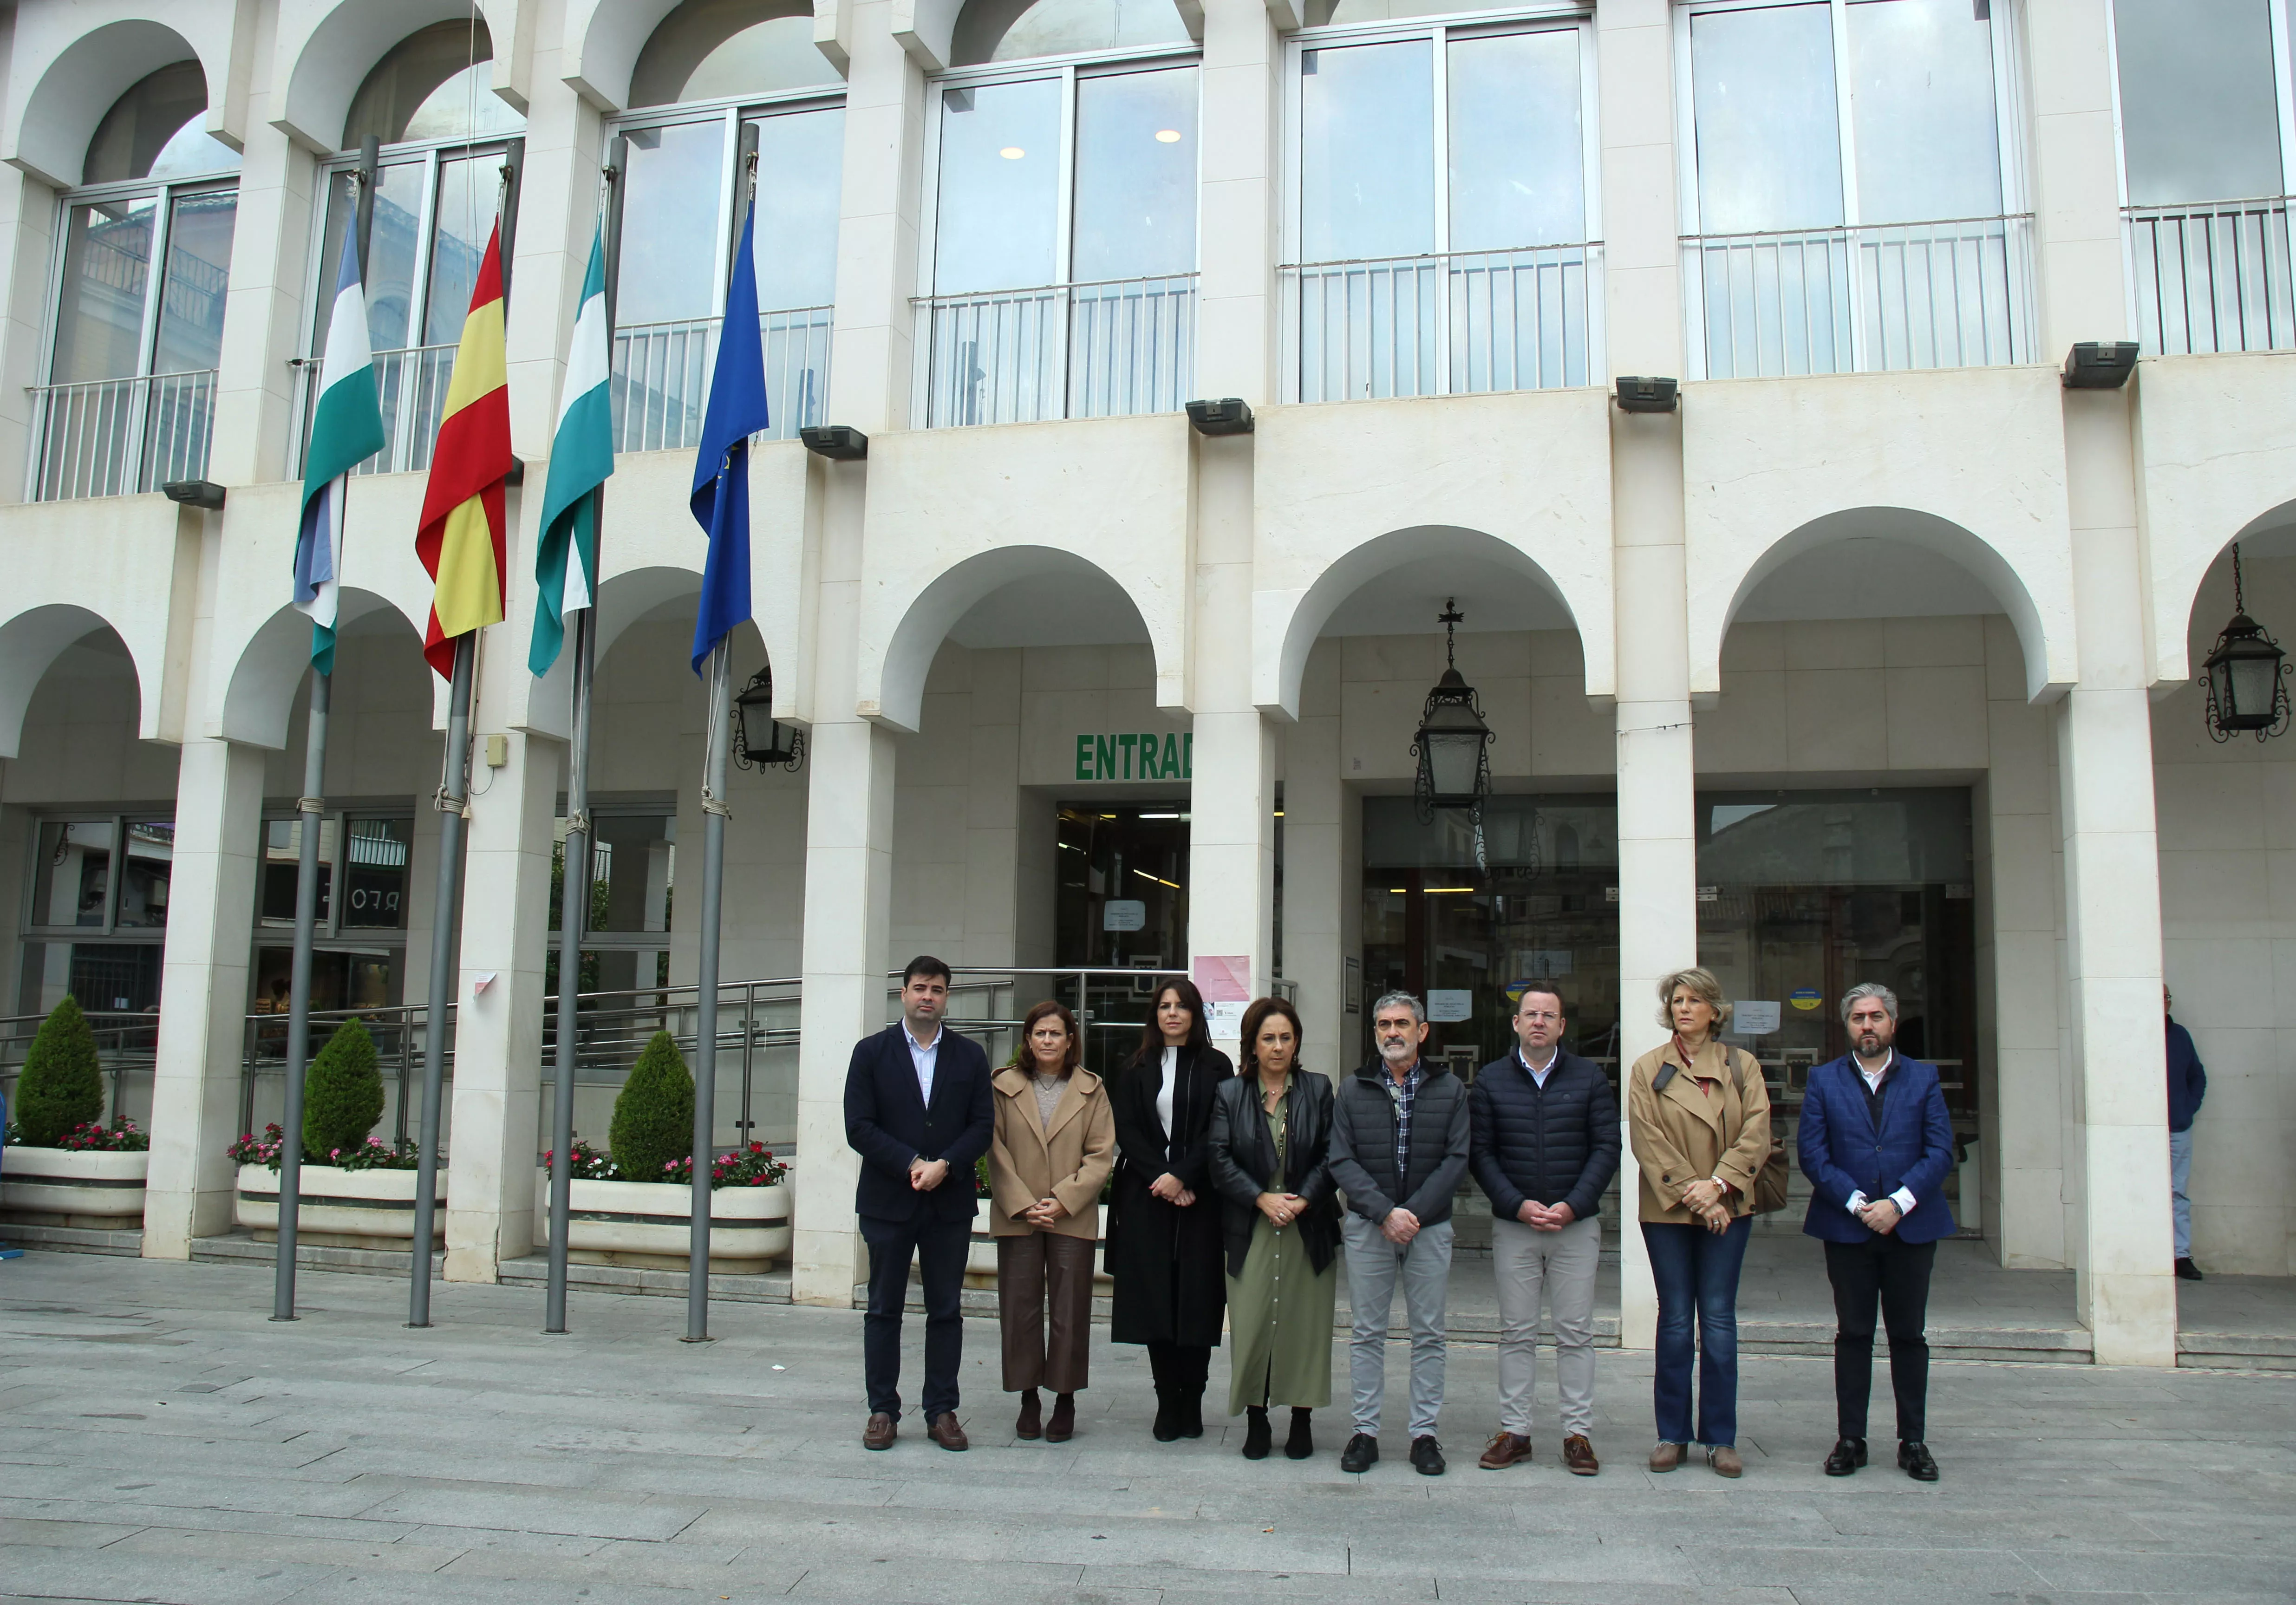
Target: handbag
pixel 1770 1181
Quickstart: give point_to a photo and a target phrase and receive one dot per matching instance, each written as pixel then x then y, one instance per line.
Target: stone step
pixel 533 1269
pixel 238 1248
pixel 73 1240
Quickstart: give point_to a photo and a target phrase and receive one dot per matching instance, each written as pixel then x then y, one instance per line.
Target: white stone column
pixel 1319 877
pixel 1658 856
pixel 1238 213
pixel 28 236
pixel 195 1084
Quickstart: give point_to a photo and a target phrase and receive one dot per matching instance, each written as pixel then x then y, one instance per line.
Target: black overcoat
pixel 1165 1260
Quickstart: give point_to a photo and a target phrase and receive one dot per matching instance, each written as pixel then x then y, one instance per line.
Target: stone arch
pixel 2040 611
pixel 895 662
pixel 260 698
pixel 319 64
pixel 2177 585
pixel 1286 624
pixel 603 39
pixel 30 644
pixel 50 122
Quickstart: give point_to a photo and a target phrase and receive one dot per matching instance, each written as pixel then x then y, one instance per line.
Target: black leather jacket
pixel 1244 1158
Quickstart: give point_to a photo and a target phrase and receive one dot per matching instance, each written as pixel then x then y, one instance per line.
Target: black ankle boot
pixel 1301 1444
pixel 1257 1437
pixel 1168 1417
pixel 1188 1414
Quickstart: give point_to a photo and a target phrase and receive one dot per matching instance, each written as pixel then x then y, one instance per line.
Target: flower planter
pixel 981 1262
pixel 338 1209
pixel 647 1224
pixel 73 1187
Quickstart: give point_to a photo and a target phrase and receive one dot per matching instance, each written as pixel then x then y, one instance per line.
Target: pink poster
pixel 1225 977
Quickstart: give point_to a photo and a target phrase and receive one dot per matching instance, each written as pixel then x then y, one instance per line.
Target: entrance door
pixel 1120 903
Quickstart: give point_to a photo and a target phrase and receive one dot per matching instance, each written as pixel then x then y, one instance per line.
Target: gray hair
pixel 1402 999
pixel 1864 990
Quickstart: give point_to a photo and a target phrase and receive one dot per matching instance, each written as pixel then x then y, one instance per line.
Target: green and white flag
pixel 581 456
pixel 346 431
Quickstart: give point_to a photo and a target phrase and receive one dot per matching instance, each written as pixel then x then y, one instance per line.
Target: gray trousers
pixel 1524 1261
pixel 2180 1189
pixel 1374 1265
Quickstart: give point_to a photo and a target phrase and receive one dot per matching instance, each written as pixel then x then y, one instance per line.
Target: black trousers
pixel 1896 1276
pixel 938 1248
pixel 1180 1368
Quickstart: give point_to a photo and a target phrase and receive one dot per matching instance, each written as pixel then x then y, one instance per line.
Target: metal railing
pixel 126 1045
pixel 1112 1004
pixel 412 383
pixel 399 1031
pixel 661 377
pixel 758 1024
pixel 1882 299
pixel 116 437
pixel 1446 323
pixel 2212 278
pixel 1091 350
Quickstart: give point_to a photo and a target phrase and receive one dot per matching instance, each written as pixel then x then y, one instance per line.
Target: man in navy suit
pixel 918 1111
pixel 1875 1144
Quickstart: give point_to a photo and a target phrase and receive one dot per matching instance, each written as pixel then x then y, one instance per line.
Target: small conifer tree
pixel 342 1093
pixel 61 1086
pixel 653 1116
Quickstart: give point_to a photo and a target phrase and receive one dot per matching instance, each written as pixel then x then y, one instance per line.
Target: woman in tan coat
pixel 1054 1146
pixel 1699 1112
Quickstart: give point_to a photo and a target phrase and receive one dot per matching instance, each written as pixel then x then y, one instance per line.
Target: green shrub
pixel 653 1116
pixel 61 1087
pixel 342 1093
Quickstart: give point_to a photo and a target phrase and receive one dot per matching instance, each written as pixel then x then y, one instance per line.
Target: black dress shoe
pixel 1914 1460
pixel 1849 1454
pixel 2186 1271
pixel 1300 1443
pixel 1427 1456
pixel 1361 1455
pixel 1257 1438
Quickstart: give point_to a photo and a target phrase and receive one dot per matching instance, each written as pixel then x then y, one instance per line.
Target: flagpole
pixel 311 813
pixel 717 726
pixel 453 798
pixel 574 889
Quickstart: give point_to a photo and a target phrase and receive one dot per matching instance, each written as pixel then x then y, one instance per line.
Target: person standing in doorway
pixel 1875 1144
pixel 1699 1113
pixel 1399 1137
pixel 1271 1132
pixel 919 1111
pixel 2188 1083
pixel 1051 1154
pixel 1164 1217
pixel 1546 1146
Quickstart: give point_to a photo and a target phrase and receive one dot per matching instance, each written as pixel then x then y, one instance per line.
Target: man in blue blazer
pixel 1875 1144
pixel 918 1111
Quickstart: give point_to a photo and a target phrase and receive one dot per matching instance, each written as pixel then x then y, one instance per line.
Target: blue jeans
pixel 1697 1274
pixel 2180 1188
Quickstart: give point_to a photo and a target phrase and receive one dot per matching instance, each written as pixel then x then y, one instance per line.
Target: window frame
pixel 162 193
pixel 328 934
pixel 111 931
pixel 2284 84
pixel 629 805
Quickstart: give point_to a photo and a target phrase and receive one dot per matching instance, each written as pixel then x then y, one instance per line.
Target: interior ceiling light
pixel 1168 136
pixel 1011 153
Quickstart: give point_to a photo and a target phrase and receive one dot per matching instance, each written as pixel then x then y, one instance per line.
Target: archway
pixel 47 134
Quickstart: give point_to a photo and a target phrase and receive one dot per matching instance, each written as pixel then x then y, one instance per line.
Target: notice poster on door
pixel 1123 913
pixel 1224 978
pixel 1448 1006
pixel 1754 1020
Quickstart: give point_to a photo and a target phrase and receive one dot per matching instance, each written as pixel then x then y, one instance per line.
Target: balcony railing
pixel 1098 350
pixel 1450 323
pixel 661 377
pixel 2212 278
pixel 1954 294
pixel 116 437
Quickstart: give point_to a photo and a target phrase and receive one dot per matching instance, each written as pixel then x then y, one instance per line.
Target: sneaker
pixel 1361 1455
pixel 1427 1456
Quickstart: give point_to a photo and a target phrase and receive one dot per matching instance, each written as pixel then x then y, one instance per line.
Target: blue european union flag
pixel 721 467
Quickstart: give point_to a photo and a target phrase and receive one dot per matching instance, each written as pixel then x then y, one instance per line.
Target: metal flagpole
pixel 574 891
pixel 717 726
pixel 311 813
pixel 452 795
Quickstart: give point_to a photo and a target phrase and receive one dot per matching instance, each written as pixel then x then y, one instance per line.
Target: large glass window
pixel 633 878
pixel 97 912
pixel 132 371
pixel 1062 254
pixel 2207 135
pixel 1440 235
pixel 359 941
pixel 1848 184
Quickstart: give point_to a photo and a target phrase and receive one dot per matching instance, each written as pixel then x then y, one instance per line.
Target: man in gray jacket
pixel 1398 1150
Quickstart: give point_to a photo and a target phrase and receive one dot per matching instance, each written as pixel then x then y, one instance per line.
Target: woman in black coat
pixel 1164 1216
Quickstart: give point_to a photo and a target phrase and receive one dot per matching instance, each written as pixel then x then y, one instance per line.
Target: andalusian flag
pixel 461 541
pixel 346 430
pixel 581 456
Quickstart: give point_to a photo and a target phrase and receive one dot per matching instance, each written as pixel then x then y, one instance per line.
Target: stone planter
pixel 338 1209
pixel 67 1187
pixel 647 1224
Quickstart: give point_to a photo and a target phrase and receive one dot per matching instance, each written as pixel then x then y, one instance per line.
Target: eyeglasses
pixel 1547 1015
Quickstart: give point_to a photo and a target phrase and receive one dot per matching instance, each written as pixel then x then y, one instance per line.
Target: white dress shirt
pixel 1164 1093
pixel 925 1055
pixel 1538 1072
pixel 1901 1198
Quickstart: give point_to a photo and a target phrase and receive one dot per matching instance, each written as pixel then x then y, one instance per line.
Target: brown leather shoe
pixel 1666 1457
pixel 1504 1449
pixel 1579 1456
pixel 880 1432
pixel 1726 1461
pixel 946 1433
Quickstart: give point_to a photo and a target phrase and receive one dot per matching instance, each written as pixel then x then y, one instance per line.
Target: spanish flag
pixel 461 542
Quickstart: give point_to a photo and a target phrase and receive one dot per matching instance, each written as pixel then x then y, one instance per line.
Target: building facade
pixel 1874 658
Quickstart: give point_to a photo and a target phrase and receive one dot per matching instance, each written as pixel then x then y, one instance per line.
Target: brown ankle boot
pixel 1062 1426
pixel 1031 1423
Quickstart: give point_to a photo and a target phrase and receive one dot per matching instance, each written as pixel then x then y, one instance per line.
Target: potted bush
pixel 633 1206
pixel 63 1167
pixel 356 1190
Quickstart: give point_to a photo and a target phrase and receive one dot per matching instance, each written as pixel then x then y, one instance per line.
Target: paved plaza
pixel 163 1441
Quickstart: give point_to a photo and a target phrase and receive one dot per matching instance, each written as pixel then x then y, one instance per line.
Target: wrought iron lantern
pixel 1453 742
pixel 2246 676
pixel 764 742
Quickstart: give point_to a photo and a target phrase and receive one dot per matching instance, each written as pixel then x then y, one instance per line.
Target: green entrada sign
pixel 1141 756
